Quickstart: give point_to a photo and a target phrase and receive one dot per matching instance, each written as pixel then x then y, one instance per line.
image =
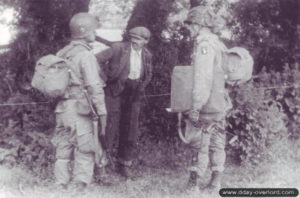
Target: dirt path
pixel 156 183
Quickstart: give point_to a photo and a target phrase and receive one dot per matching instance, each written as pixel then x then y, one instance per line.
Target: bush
pixel 264 116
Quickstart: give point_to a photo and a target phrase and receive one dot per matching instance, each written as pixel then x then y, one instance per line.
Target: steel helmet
pixel 205 16
pixel 238 65
pixel 82 24
pixel 201 15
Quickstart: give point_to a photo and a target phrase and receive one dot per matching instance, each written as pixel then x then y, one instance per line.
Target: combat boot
pixel 215 182
pixel 62 187
pixel 192 183
pixel 77 186
pixel 123 171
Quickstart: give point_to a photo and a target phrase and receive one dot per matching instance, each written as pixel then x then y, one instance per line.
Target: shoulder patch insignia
pixel 204 50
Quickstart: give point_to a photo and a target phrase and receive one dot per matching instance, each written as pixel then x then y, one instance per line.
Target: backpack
pixel 238 65
pixel 51 76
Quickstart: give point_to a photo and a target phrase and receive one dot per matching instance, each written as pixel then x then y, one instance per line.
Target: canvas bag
pixel 51 76
pixel 181 88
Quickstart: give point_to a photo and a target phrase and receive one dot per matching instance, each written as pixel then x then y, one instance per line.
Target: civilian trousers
pixel 123 120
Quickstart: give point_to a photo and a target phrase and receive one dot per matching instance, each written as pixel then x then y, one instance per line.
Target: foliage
pixel 266 110
pixel 25 135
pixel 270 30
pixel 112 14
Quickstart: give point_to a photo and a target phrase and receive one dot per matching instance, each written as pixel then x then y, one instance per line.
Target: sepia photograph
pixel 149 98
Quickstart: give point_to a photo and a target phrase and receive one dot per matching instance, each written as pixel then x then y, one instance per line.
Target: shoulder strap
pixel 64 53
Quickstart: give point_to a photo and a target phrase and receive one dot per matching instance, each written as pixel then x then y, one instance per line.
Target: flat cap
pixel 140 33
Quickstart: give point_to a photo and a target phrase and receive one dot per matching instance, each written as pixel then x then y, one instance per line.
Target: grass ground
pixel 154 183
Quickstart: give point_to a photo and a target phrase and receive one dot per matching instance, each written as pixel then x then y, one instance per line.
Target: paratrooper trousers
pixel 73 138
pixel 211 148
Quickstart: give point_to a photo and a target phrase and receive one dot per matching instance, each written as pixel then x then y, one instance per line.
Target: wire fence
pixel 152 96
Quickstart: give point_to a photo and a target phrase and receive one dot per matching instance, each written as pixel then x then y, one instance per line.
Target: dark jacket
pixel 104 41
pixel 115 62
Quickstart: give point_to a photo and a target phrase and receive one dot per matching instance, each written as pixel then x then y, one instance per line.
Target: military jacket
pixel 209 94
pixel 84 76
